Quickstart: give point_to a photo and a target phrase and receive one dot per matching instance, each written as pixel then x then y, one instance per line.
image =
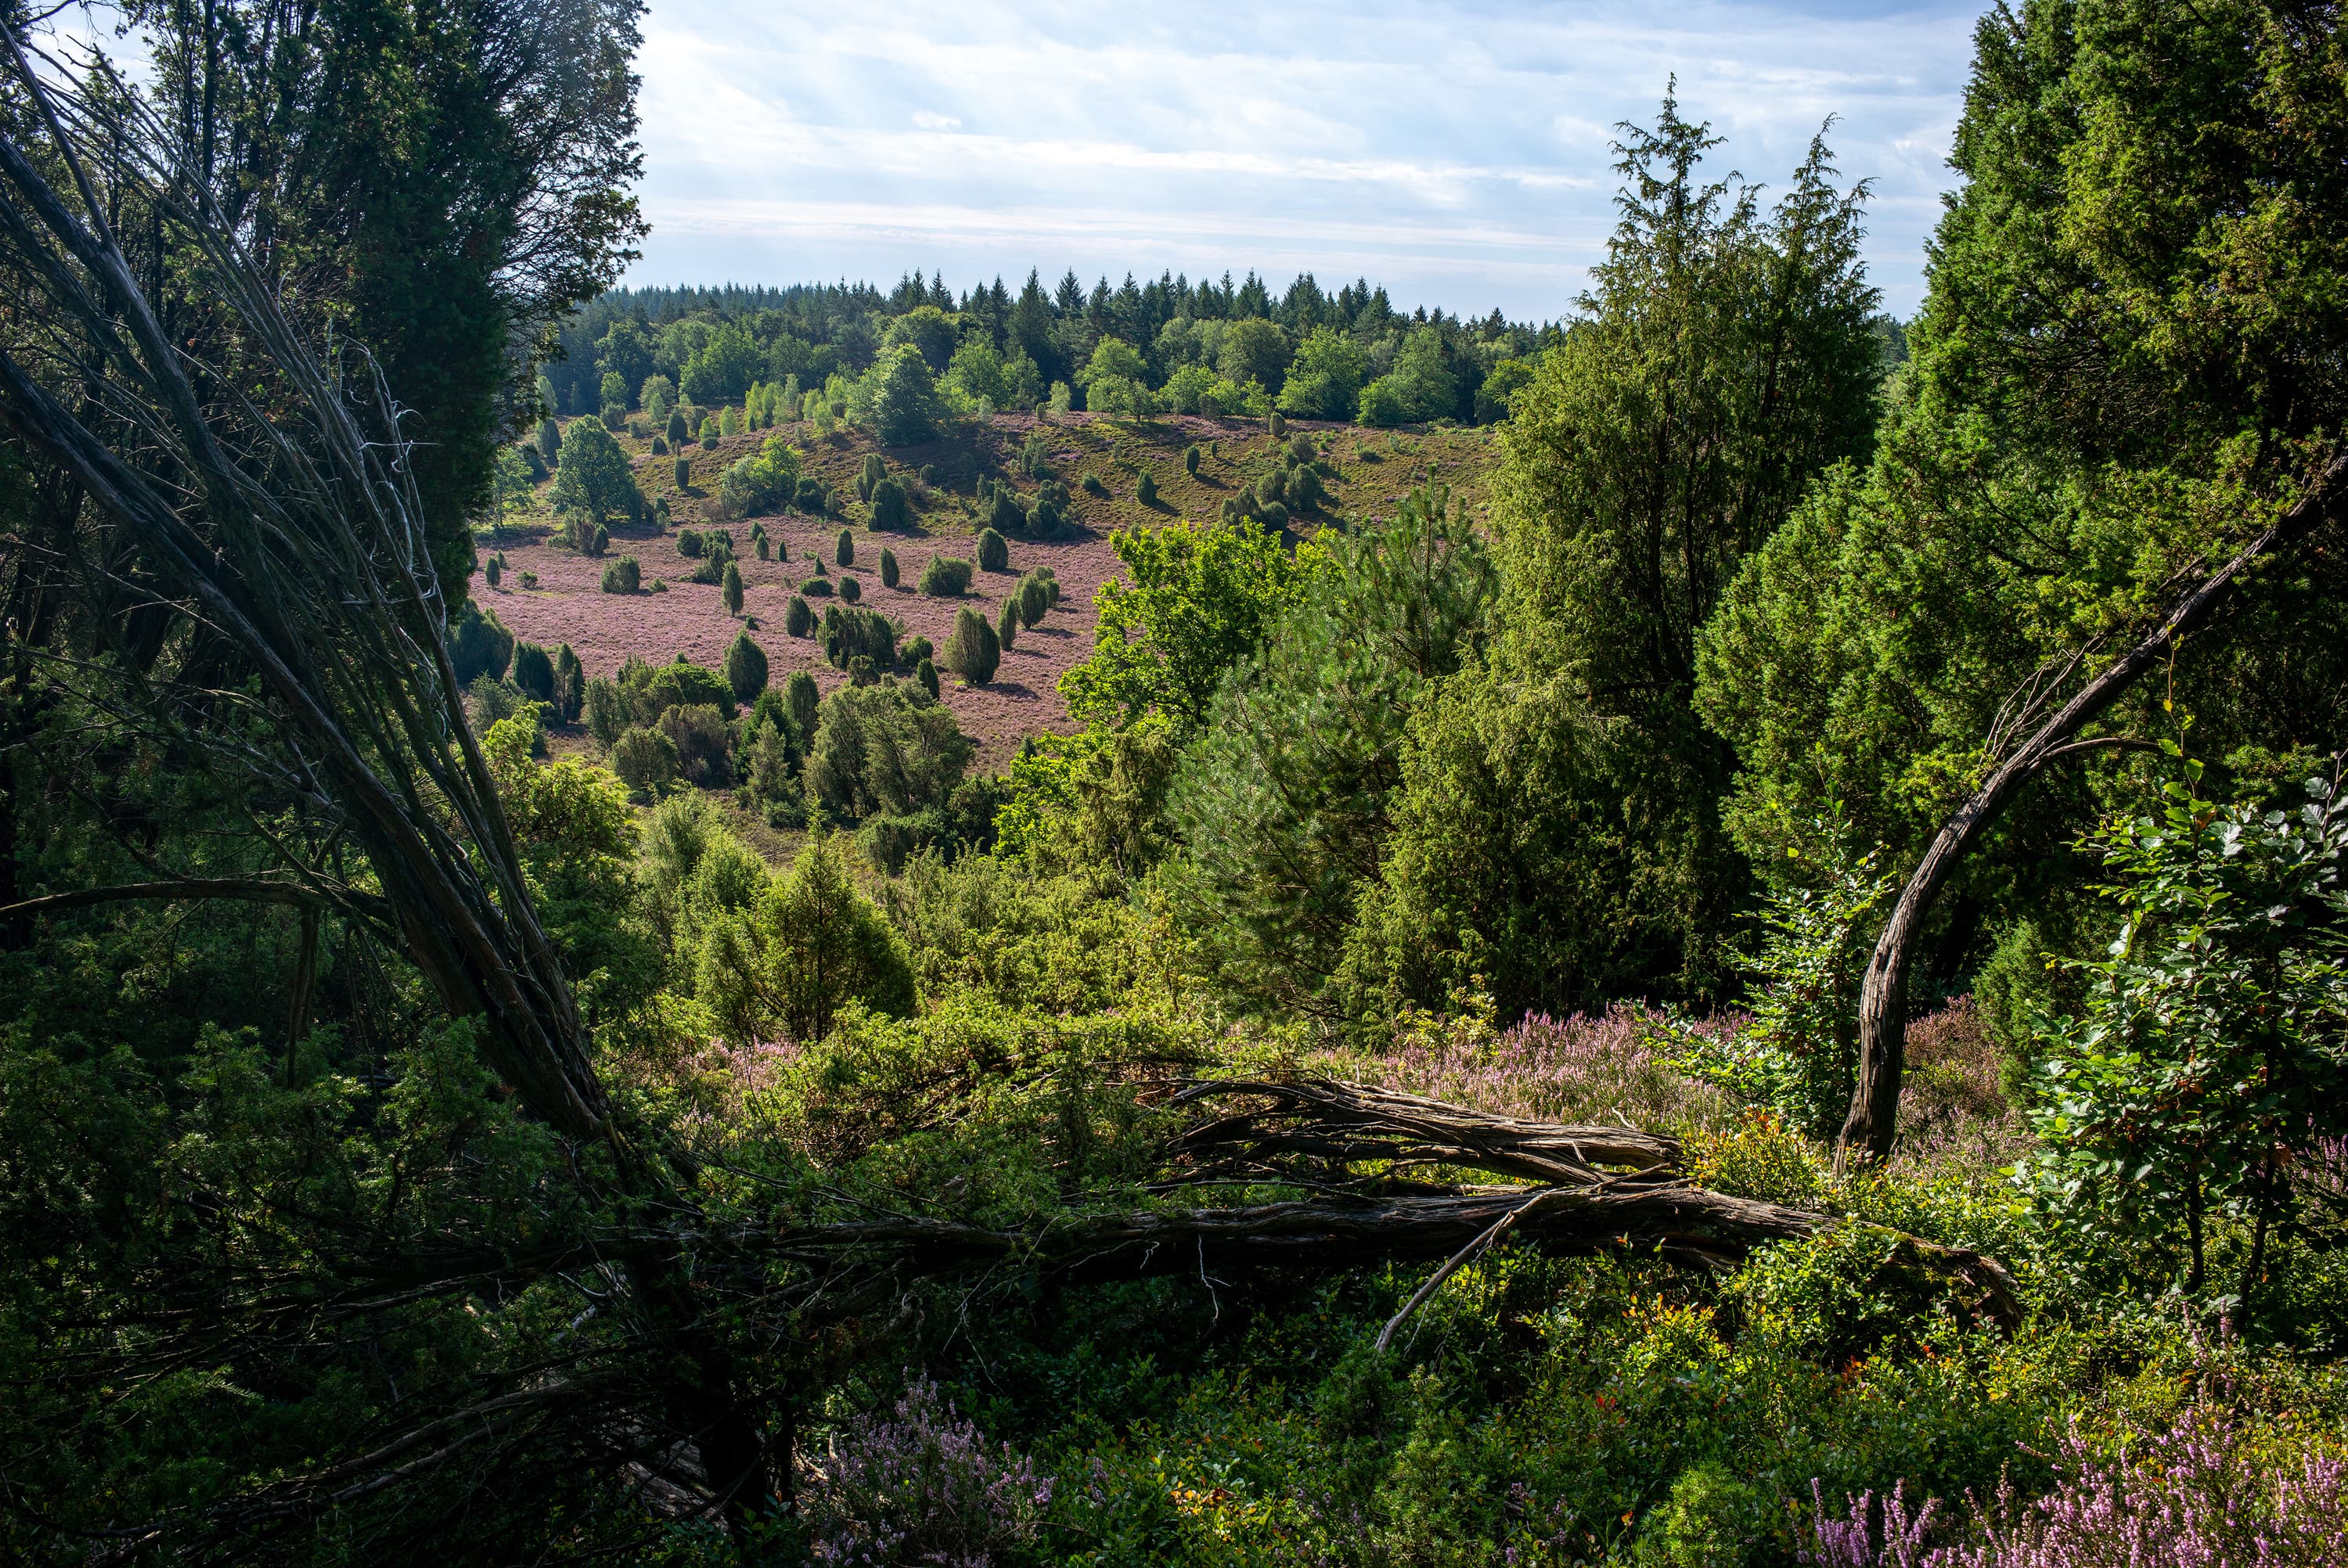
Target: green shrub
pixel 1034 598
pixel 888 568
pixel 492 570
pixel 677 430
pixel 1007 625
pixel 891 508
pixel 1093 485
pixel 843 548
pixel 802 698
pixel 850 589
pixel 1190 459
pixel 660 444
pixel 817 588
pixel 623 576
pixel 915 649
pixel 994 554
pixel 688 543
pixel 927 674
pixel 533 671
pixel 945 577
pixel 851 633
pixel 869 476
pixel 861 670
pixel 645 760
pixel 685 473
pixel 811 496
pixel 745 668
pixel 710 432
pixel 607 716
pixel 1275 424
pixel 798 616
pixel 569 684
pixel 732 588
pixel 1146 491
pixel 703 742
pixel 974 651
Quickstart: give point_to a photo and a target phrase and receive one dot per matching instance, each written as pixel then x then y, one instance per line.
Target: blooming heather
pixel 919 1485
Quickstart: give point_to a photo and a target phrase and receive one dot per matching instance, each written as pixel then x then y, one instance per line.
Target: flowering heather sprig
pixel 919 1485
pixel 2196 1495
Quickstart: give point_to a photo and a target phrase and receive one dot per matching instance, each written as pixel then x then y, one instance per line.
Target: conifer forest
pixel 1188 921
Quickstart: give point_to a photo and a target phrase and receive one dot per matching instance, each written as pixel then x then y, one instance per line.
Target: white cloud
pixel 1458 153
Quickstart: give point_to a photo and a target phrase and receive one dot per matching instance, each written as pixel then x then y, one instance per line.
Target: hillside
pixel 1373 471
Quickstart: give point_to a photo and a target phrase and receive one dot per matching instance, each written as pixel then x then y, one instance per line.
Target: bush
pixel 850 589
pixel 1190 459
pixel 927 674
pixel 994 554
pixel 888 568
pixel 1275 424
pixel 660 444
pixel 811 497
pixel 688 543
pixel 885 751
pixel 817 588
pixel 703 742
pixel 569 684
pixel 533 671
pixel 915 649
pixel 974 652
pixel 645 760
pixel 843 548
pixel 946 577
pixel 492 570
pixel 685 473
pixel 869 476
pixel 1007 625
pixel 732 587
pixel 623 576
pixel 1093 485
pixel 798 616
pixel 919 1485
pixel 745 668
pixel 891 509
pixel 677 430
pixel 606 714
pixel 852 634
pixel 1034 598
pixel 802 699
pixel 861 672
pixel 1146 492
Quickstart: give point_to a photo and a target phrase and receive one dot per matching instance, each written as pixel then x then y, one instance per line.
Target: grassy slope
pixel 1374 470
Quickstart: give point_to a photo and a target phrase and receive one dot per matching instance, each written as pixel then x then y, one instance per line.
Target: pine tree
pixel 745 668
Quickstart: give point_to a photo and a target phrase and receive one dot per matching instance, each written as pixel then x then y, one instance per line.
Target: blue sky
pixel 1456 153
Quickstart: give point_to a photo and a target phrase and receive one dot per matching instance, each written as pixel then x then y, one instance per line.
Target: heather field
pixel 1376 469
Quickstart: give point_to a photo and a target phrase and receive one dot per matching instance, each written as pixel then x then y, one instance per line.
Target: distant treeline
pixel 1234 348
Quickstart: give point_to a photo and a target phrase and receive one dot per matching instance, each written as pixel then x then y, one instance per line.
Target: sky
pixel 1459 154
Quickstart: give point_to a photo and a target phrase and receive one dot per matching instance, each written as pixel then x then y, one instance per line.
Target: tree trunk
pixel 1873 1123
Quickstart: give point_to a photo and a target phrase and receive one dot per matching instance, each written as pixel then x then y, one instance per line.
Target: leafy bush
pixel 762 483
pixel 850 589
pixel 817 588
pixel 1034 597
pixel 784 967
pixel 678 432
pixel 492 570
pixel 888 568
pixel 927 674
pixel 994 554
pixel 892 510
pixel 683 472
pixel 798 616
pixel 478 645
pixel 972 651
pixel 745 668
pixel 851 632
pixel 1146 491
pixel 843 548
pixel 1006 624
pixel 882 750
pixel 1190 459
pixel 703 742
pixel 688 543
pixel 812 497
pixel 732 588
pixel 533 671
pixel 945 577
pixel 645 760
pixel 1092 485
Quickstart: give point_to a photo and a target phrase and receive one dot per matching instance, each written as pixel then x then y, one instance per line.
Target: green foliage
pixel 803 699
pixel 1006 624
pixel 798 616
pixel 926 673
pixel 972 651
pixel 1200 598
pixel 1283 803
pixel 1190 459
pixel 533 671
pixel 731 588
pixel 1145 489
pixel 843 548
pixel 994 554
pixel 809 946
pixel 679 432
pixel 624 575
pixel 645 760
pixel 2205 1064
pixel 891 508
pixel 851 633
pixel 1325 380
pixel 1033 597
pixel 1093 803
pixel 764 483
pixel 683 472
pixel 945 577
pixel 745 668
pixel 592 480
pixel 884 750
pixel 850 589
pixel 888 567
pixel 906 407
pixel 479 644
